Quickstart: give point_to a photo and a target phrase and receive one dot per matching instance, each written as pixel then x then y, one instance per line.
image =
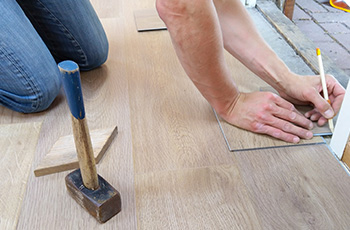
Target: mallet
pixel 90 190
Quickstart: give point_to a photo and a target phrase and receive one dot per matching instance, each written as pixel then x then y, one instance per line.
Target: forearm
pixel 243 41
pixel 197 38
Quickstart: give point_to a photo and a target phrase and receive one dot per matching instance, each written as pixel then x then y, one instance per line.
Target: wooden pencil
pixel 324 85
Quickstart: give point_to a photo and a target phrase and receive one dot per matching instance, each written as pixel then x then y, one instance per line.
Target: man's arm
pixel 242 40
pixel 197 39
pixel 196 33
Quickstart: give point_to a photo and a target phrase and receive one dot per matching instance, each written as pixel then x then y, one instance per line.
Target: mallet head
pixel 102 203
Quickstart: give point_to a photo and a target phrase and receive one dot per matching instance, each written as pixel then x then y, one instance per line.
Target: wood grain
pixel 148 20
pixel 173 127
pixel 63 156
pixel 85 153
pixel 106 103
pixel 18 144
pixel 288 8
pixel 346 155
pixel 108 8
pixel 170 148
pixel 201 198
pixel 297 188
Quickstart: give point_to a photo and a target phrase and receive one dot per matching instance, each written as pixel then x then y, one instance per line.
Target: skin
pixel 200 31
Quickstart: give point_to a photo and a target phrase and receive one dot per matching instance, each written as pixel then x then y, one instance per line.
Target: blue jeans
pixel 34 35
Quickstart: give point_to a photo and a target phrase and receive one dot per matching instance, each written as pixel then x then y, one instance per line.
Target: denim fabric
pixel 34 35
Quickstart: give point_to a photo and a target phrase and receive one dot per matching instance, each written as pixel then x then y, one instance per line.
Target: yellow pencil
pixel 324 85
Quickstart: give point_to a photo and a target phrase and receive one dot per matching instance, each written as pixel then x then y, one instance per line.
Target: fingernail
pixel 329 113
pixel 309 135
pixel 311 125
pixel 296 139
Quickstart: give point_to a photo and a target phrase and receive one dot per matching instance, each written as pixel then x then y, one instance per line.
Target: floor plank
pixel 148 20
pixel 169 151
pixel 297 188
pixel 173 127
pixel 108 8
pixel 201 198
pixel 18 144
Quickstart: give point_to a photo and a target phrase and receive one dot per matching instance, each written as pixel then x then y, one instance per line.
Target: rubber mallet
pixel 90 190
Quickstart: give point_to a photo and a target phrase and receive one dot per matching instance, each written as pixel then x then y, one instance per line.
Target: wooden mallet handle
pixel 72 87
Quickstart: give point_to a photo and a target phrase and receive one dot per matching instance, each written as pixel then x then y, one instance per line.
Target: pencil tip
pixel 318 51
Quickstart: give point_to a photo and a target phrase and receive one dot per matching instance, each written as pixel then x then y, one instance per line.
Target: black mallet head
pixel 102 203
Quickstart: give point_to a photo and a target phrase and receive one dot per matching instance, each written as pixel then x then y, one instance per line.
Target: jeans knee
pixel 35 95
pixel 48 95
pixel 96 55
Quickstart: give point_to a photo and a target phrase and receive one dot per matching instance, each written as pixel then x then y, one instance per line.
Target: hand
pixel 268 113
pixel 308 89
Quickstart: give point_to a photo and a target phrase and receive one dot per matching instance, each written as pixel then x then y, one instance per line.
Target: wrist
pixel 224 108
pixel 270 68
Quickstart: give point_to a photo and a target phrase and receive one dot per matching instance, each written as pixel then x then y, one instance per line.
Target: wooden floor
pixel 169 161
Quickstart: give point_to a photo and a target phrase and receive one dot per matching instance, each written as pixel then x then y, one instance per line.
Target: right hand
pixel 308 89
pixel 268 113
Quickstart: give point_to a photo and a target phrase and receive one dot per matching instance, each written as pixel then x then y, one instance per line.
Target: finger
pixel 293 129
pixel 320 103
pixel 279 134
pixel 315 117
pixel 284 104
pixel 284 128
pixel 337 102
pixel 308 114
pixel 322 121
pixel 293 117
pixel 292 114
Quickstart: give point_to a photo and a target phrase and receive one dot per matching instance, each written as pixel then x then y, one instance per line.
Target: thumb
pixel 321 105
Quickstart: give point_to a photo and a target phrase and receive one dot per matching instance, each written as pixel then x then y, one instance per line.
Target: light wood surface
pixel 108 8
pixel 199 198
pixel 346 155
pixel 18 144
pixel 294 188
pixel 63 155
pixel 148 20
pixel 47 204
pixel 173 126
pixel 85 153
pixel 170 162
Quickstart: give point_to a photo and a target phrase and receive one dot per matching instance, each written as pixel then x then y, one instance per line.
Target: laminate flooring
pixel 148 20
pixel 17 144
pixel 169 161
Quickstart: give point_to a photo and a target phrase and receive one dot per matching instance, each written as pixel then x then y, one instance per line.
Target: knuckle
pixel 261 116
pixel 271 96
pixel 287 127
pixel 268 107
pixel 256 126
pixel 277 134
